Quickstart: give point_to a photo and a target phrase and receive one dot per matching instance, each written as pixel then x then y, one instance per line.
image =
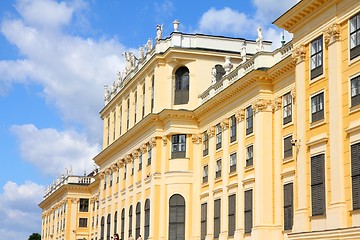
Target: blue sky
pixel 56 57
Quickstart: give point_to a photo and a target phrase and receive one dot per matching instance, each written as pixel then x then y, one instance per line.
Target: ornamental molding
pixel 293 94
pixel 298 53
pixel 225 124
pixel 136 153
pixel 120 163
pixel 128 158
pixel 143 148
pixel 114 167
pixel 211 131
pixel 152 142
pixel 240 115
pixel 196 138
pixel 332 34
pixel 102 175
pixel 262 105
pixel 276 104
pixel 108 171
pixel 165 140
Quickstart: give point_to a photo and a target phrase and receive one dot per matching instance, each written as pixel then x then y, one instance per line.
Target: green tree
pixel 35 236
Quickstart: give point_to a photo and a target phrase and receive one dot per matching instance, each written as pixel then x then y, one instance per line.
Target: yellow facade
pixel 265 151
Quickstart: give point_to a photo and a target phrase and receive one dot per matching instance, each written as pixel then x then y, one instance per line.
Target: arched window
pixel 137 228
pixel 115 222
pixel 108 227
pixel 147 219
pixel 182 80
pixel 130 220
pixel 102 228
pixel 123 223
pixel 176 217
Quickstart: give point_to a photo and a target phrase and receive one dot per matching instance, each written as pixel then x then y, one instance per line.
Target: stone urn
pixel 227 65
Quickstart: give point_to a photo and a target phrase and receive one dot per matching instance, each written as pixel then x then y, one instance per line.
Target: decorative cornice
pixel 211 132
pixel 196 138
pixel 240 115
pixel 152 142
pixel 299 53
pixel 332 34
pixel 262 105
pixel 165 140
pixel 224 124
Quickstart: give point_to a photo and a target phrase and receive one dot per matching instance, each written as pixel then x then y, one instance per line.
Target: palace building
pixel 212 137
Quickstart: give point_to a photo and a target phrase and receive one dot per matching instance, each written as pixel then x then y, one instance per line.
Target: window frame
pixel 317 109
pixel 233 129
pixel 182 86
pixel 218 168
pixel 249 113
pixel 205 143
pixel 355 99
pixel 178 148
pixel 205 175
pixel 287 147
pixel 217 217
pixel 355 175
pixel 249 160
pixel 354 51
pixel 288 205
pixel 203 221
pixel 287 108
pixel 233 162
pixel 318 184
pixel 231 214
pixel 83 223
pixel 316 56
pixel 218 130
pixel 177 217
pixel 84 205
pixel 248 211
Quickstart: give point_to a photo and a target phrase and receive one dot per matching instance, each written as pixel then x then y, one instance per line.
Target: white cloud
pixel 224 21
pixel 231 22
pixel 19 214
pixel 52 151
pixel 71 69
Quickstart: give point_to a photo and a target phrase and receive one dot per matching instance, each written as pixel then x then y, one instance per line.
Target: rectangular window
pixel 218 169
pixel 316 57
pixel 288 147
pixel 114 132
pixel 178 146
pixel 135 106
pixel 287 108
pixel 140 161
pixel 82 222
pixel 249 120
pixel 143 103
pixel 205 173
pixel 128 115
pixel 111 179
pixel 149 156
pixel 218 136
pixel 152 93
pixel 217 212
pixel 231 215
pixel 125 170
pixel 355 36
pixel 205 144
pixel 105 181
pixel 355 90
pixel 232 162
pixel 317 107
pixel 132 167
pixel 203 220
pixel 355 175
pixel 288 206
pixel 232 128
pixel 248 211
pixel 84 205
pixel 249 155
pixel 318 184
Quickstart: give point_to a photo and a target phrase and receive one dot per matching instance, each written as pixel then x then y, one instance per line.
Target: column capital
pixel 224 124
pixel 152 142
pixel 298 53
pixel 262 105
pixel 240 115
pixel 143 148
pixel 102 175
pixel 332 34
pixel 128 158
pixel 211 132
pixel 136 153
pixel 276 104
pixel 165 140
pixel 196 138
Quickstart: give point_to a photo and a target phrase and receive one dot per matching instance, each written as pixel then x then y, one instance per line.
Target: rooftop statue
pixel 159 30
pixel 243 52
pixel 149 45
pixel 141 53
pixel 259 40
pixel 130 61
